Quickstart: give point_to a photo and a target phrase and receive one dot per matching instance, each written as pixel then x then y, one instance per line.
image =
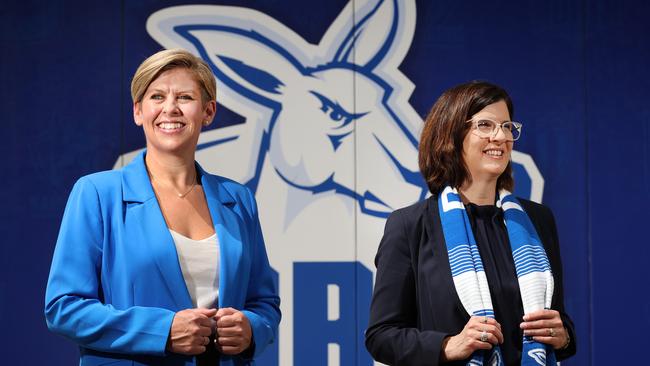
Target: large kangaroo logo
pixel 329 145
pixel 320 104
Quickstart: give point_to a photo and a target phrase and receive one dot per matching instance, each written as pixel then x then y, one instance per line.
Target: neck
pixel 172 170
pixel 479 192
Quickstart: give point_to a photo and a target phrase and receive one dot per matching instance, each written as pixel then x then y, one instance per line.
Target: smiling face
pixel 486 158
pixel 172 113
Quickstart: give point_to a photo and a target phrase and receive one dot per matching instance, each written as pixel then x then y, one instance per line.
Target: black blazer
pixel 415 304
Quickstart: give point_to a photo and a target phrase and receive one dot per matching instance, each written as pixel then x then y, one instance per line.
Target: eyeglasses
pixel 487 128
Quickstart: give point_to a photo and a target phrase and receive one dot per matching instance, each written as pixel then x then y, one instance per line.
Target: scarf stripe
pixel 531 263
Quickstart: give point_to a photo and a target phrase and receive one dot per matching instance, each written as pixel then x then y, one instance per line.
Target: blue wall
pixel 577 72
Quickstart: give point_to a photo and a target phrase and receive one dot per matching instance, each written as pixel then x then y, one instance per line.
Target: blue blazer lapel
pixel 228 226
pixel 149 229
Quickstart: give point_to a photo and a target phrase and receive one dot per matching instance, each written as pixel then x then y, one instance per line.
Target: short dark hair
pixel 440 153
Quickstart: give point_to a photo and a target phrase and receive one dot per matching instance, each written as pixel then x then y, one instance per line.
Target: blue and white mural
pixel 321 106
pixel 329 146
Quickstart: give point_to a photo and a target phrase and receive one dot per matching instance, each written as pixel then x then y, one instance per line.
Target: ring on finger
pixel 551 332
pixel 484 336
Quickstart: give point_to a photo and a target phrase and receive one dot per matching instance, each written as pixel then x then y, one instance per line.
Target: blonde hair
pixel 166 60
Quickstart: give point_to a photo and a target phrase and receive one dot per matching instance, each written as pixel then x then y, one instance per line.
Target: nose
pixel 171 105
pixel 499 134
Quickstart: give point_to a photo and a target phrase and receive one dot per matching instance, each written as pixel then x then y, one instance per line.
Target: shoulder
pixel 410 218
pixel 103 179
pixel 536 211
pixel 544 222
pixel 101 183
pixel 231 185
pixel 235 188
pixel 414 210
pixel 239 192
pixel 91 195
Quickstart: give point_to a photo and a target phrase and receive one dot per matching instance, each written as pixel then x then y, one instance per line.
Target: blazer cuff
pixel 262 335
pixel 571 349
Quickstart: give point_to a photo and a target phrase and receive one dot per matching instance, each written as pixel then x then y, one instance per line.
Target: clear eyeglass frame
pixel 487 128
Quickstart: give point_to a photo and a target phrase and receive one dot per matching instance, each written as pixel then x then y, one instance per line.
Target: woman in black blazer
pixel 420 313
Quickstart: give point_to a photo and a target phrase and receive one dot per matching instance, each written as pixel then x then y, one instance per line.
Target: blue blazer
pixel 115 281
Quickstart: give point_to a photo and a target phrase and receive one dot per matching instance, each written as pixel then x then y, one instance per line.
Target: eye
pixel 485 125
pixel 186 97
pixel 156 96
pixel 335 112
pixel 336 115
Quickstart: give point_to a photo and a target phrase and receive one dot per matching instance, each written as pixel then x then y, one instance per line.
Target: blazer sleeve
pixel 393 336
pixel 553 252
pixel 262 306
pixel 73 298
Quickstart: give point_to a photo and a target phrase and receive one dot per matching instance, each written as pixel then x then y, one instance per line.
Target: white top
pixel 199 260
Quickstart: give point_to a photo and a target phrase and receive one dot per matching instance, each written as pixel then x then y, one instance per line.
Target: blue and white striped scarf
pixel 533 270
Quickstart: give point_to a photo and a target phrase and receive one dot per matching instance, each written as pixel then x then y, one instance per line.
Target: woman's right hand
pixel 191 330
pixel 462 345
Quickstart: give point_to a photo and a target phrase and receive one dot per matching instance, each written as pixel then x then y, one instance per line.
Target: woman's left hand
pixel 234 332
pixel 545 326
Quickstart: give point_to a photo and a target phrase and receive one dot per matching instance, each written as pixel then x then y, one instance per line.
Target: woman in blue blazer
pixel 161 263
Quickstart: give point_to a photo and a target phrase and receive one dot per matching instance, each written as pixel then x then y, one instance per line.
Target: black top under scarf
pixel 491 237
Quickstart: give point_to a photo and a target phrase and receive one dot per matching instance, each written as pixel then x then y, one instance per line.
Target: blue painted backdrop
pixel 577 72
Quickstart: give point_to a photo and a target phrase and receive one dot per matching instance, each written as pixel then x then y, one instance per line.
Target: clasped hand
pixel 545 326
pixel 191 330
pixel 479 333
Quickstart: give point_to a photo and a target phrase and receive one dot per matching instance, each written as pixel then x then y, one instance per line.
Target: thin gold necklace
pixel 180 195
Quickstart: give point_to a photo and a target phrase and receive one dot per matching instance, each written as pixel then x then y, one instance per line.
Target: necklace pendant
pixel 180 195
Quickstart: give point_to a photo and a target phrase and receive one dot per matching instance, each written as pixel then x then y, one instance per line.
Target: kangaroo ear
pixel 242 58
pixel 377 32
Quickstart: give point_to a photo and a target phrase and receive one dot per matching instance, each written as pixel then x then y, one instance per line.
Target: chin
pixel 173 148
pixel 495 170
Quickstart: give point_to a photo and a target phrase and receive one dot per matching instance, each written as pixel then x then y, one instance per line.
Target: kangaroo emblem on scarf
pixel 329 142
pixel 539 355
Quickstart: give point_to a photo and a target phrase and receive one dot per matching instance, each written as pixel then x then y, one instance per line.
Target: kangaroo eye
pixel 336 116
pixel 335 112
